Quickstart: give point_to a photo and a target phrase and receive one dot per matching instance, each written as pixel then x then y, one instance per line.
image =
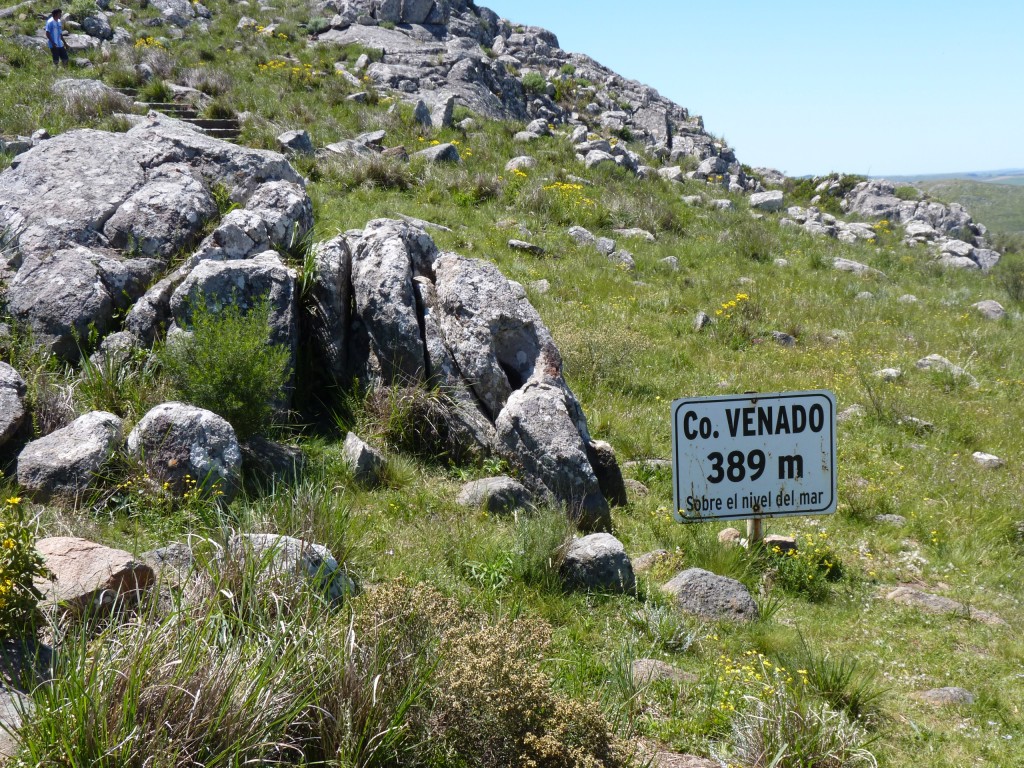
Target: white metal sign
pixel 754 456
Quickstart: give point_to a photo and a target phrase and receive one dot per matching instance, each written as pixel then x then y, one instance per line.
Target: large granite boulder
pixel 66 295
pixel 186 448
pixel 539 431
pixel 387 344
pixel 64 464
pixel 494 333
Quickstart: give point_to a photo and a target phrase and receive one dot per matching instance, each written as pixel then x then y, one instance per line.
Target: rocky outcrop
pixel 452 49
pixel 956 238
pixel 95 217
pixel 386 308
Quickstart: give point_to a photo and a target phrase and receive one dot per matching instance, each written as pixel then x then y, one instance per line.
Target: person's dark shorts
pixel 59 54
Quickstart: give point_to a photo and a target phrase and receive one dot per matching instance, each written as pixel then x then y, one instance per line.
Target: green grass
pixel 629 350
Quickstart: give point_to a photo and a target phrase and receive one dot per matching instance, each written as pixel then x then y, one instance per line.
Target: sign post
pixel 754 456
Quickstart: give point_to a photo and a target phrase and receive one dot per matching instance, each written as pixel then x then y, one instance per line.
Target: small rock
pixel 367 464
pixel 596 157
pixel 442 153
pixel 907 298
pixel 648 560
pixel 606 468
pixel 848 265
pixel 944 697
pixel 989 309
pixel 853 412
pixel 711 597
pixel 782 263
pixel 495 495
pixel 605 245
pixel 647 671
pixel 640 234
pixel 730 537
pixel 597 562
pixel 582 236
pixel 541 286
pixel 783 339
pixel 441 116
pixel 272 461
pixel 918 426
pixel 624 259
pixel 692 200
pixel 522 245
pixel 987 460
pixel 767 201
pixel 783 543
pixel 636 488
pixel 938 604
pixel 942 365
pixel 671 262
pixel 90 578
pixel 864 296
pixel 672 173
pixel 421 114
pixel 701 321
pixel 897 520
pixel 521 163
pixel 889 374
pixel 296 142
pixel 722 205
pixel 173 563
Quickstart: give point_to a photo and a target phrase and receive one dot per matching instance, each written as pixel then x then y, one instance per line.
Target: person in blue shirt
pixel 55 38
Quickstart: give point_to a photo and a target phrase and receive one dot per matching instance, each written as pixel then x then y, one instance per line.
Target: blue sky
pixel 895 87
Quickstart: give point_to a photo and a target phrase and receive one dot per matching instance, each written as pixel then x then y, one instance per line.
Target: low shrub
pixel 534 83
pixel 778 723
pixel 20 564
pixel 157 91
pixel 843 683
pixel 375 172
pixel 415 420
pixel 809 570
pixel 226 365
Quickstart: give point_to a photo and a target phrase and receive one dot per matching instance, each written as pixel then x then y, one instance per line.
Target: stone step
pixel 215 123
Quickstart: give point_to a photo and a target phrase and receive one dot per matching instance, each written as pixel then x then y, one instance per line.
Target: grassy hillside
pixel 492 639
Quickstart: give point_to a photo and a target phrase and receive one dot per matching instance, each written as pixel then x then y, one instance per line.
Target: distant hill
pixel 995 198
pixel 1013 176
